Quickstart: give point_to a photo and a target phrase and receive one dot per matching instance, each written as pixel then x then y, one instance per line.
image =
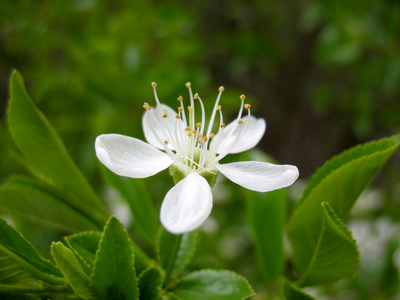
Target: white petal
pixel 260 176
pixel 130 157
pixel 187 205
pixel 155 132
pixel 249 138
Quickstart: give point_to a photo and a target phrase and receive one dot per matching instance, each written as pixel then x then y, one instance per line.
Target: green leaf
pixel 72 270
pixel 45 153
pixel 292 292
pixel 140 203
pixel 266 214
pixel 335 256
pixel 14 245
pixel 213 285
pixel 36 200
pixel 150 283
pixel 176 251
pixel 85 245
pixel 114 274
pixel 339 182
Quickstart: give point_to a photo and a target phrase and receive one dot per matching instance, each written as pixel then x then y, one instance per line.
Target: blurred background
pixel 324 74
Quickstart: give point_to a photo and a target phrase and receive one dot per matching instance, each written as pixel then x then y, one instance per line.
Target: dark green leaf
pixel 36 200
pixel 292 292
pixel 46 154
pixel 85 245
pixel 339 182
pixel 72 270
pixel 213 285
pixel 335 256
pixel 266 214
pixel 114 274
pixel 176 251
pixel 140 203
pixel 150 283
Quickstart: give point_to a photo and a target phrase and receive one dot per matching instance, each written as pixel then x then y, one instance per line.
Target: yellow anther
pixel 212 135
pixel 247 106
pixel 165 142
pixel 180 108
pixel 240 121
pixel 194 131
pixel 177 116
pixel 164 116
pixel 196 96
pixel 219 107
pixel 205 139
pixel 221 88
pixel 242 97
pixel 189 134
pixel 199 141
pixel 180 98
pixel 190 108
pixel 187 128
pixel 153 84
pixel 146 106
pixel 222 125
pixel 198 125
pixel 188 84
pixel 199 135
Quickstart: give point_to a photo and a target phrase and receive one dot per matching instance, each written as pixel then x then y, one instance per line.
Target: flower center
pixel 187 142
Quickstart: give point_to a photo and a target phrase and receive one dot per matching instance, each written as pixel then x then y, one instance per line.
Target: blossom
pixel 193 154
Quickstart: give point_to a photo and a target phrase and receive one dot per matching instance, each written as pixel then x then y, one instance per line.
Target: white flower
pixel 193 154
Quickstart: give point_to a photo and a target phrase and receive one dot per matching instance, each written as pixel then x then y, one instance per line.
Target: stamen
pixel 194 131
pixel 240 121
pixel 212 135
pixel 177 116
pixel 153 84
pixel 196 96
pixel 199 141
pixel 180 98
pixel 247 106
pixel 165 142
pixel 205 139
pixel 164 116
pixel 221 88
pixel 219 107
pixel 146 106
pixel 198 125
pixel 188 84
pixel 189 134
pixel 180 108
pixel 209 128
pixel 242 97
pixel 203 114
pixel 222 125
pixel 187 128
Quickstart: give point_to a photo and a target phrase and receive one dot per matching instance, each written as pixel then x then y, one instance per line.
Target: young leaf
pixel 14 245
pixel 292 292
pixel 150 283
pixel 85 245
pixel 266 217
pixel 36 200
pixel 213 285
pixel 176 251
pixel 339 182
pixel 140 203
pixel 114 274
pixel 72 270
pixel 335 256
pixel 46 154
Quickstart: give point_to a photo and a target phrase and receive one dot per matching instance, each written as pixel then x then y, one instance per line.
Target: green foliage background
pixel 324 74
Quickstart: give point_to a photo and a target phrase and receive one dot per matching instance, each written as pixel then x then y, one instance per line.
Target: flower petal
pixel 130 157
pixel 253 133
pixel 187 205
pixel 156 132
pixel 260 176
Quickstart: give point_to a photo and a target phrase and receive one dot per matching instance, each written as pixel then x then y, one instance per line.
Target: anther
pixel 240 121
pixel 180 98
pixel 188 84
pixel 165 142
pixel 219 107
pixel 198 125
pixel 196 96
pixel 153 84
pixel 189 134
pixel 180 108
pixel 247 106
pixel 212 135
pixel 164 116
pixel 187 128
pixel 221 88
pixel 242 97
pixel 205 139
pixel 177 116
pixel 146 106
pixel 222 125
pixel 199 135
pixel 199 141
pixel 194 131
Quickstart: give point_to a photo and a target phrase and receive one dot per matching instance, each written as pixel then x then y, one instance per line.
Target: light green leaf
pixel 266 214
pixel 335 256
pixel 176 251
pixel 114 274
pixel 36 200
pixel 292 292
pixel 45 153
pixel 213 285
pixel 150 283
pixel 72 270
pixel 339 182
pixel 85 245
pixel 140 203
